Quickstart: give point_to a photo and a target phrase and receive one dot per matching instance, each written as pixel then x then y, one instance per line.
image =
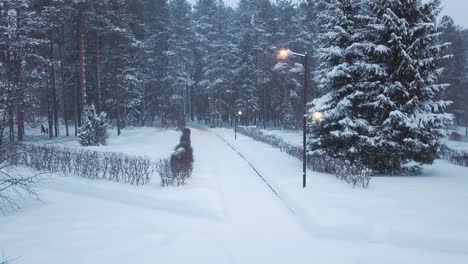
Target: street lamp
pixel 317 117
pixel 283 54
pixel 238 114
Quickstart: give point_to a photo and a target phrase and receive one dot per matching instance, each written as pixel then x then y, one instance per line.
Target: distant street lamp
pixel 238 114
pixel 283 54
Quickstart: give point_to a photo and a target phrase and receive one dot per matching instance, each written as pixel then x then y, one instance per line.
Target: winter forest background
pixel 145 62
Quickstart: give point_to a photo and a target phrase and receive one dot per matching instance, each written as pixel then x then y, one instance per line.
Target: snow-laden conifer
pixel 93 131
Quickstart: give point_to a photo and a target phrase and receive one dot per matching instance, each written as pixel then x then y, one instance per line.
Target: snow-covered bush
pixel 178 168
pixel 181 160
pixel 93 131
pixel 88 164
pixel 163 168
pixel 355 174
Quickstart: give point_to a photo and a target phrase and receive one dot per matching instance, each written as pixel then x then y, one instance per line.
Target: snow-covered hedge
pixel 457 157
pixel 342 169
pixel 88 164
pixel 178 168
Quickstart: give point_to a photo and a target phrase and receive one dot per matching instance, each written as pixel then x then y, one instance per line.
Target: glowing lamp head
pixel 239 113
pixel 283 54
pixel 317 117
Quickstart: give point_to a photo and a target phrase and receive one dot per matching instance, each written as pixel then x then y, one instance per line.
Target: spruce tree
pixel 407 120
pixel 93 131
pixel 345 76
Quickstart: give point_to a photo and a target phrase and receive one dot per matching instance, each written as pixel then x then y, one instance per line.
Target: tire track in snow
pixel 257 173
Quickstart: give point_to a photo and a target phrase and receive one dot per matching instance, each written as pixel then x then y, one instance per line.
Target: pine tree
pixel 156 37
pixel 289 73
pixel 247 98
pixel 206 56
pixel 180 56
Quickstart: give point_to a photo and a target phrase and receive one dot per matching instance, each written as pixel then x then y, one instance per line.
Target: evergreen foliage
pixel 93 131
pixel 381 109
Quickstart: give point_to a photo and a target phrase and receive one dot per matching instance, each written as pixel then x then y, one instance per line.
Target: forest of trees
pixel 148 61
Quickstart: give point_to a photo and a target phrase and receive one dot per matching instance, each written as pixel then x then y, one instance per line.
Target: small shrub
pixel 181 160
pixel 163 168
pixel 93 131
pixel 178 168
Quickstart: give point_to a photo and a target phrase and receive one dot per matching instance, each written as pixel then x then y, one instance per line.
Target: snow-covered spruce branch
pixel 354 174
pixel 88 164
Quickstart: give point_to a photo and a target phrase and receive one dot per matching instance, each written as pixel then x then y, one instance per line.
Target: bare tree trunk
pixel 64 94
pixel 54 107
pixel 11 124
pixel 19 96
pixel 117 102
pixel 20 124
pixel 49 111
pixel 77 109
pixel 2 127
pixel 10 98
pixel 81 26
pixel 98 75
pixel 143 112
pixel 54 101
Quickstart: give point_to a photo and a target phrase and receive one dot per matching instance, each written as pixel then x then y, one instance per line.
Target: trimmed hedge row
pixel 85 163
pixel 454 156
pixel 351 173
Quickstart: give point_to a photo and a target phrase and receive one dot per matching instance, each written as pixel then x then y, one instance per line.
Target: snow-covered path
pixel 259 227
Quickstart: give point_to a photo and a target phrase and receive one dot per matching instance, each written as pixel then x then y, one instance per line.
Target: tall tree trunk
pixel 11 124
pixel 2 127
pixel 19 101
pixel 19 96
pixel 62 76
pixel 117 105
pixel 81 28
pixel 54 101
pixel 143 112
pixel 20 124
pixel 49 110
pixel 192 114
pixel 77 109
pixel 53 86
pixel 98 75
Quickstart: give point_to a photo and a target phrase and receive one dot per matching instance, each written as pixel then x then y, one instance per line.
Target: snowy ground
pixel 228 214
pixel 289 136
pixel 145 141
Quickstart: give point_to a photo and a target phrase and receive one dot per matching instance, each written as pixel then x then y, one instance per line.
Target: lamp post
pixel 238 114
pixel 283 54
